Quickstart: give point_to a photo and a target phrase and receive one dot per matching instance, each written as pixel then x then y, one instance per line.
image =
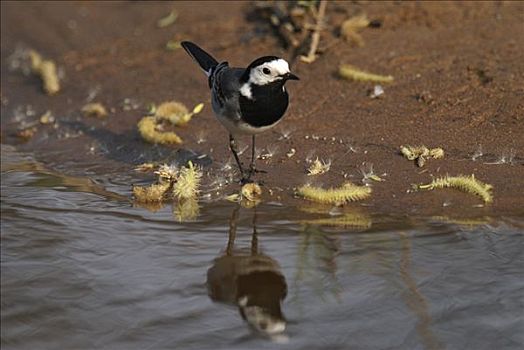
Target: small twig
pixel 315 38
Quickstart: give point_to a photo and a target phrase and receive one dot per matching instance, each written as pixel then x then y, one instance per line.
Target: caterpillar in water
pixel 468 184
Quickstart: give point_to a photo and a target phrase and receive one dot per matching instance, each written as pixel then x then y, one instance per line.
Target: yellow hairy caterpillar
pixel 466 184
pixel 352 73
pixel 340 195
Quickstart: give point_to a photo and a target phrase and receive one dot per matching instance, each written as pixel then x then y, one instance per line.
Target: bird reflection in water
pixel 250 280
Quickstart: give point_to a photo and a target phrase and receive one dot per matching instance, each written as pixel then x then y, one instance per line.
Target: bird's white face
pixel 268 72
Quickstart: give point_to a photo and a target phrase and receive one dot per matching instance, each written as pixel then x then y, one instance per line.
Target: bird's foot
pixel 248 173
pixel 246 180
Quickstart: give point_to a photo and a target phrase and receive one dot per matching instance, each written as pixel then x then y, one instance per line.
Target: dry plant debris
pixel 436 153
pixel 299 24
pixel 377 91
pixel 47 118
pixel 153 193
pixel 47 71
pixel 286 21
pixel 94 109
pixel 173 183
pixel 167 172
pixel 318 167
pixel 184 183
pixel 173 45
pixel 350 28
pixel 176 113
pixel 250 195
pixel 188 182
pixel 167 20
pixel 507 157
pixel 315 37
pixel 366 169
pixel 302 25
pixel 148 129
pixel 151 127
pixel 421 153
pixel 252 192
pixel 350 72
pixel 337 196
pixel 468 184
pixel 291 153
pixel 27 133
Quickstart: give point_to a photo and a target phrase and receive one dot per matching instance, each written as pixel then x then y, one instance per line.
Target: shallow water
pixel 81 268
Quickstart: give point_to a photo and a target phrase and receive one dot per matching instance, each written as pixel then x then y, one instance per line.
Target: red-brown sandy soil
pixel 458 68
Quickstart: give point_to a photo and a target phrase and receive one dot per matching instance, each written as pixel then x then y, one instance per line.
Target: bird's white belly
pixel 240 127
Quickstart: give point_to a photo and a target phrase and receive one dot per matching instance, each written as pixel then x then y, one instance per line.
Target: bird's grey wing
pixel 226 86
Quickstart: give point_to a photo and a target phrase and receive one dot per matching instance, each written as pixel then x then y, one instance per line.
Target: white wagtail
pixel 245 100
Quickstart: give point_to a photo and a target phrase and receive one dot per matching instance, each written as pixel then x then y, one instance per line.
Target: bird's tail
pixel 204 60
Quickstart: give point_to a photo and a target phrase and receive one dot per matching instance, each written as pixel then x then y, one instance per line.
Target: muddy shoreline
pixel 458 71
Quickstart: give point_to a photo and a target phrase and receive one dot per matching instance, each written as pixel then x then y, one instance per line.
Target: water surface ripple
pixel 81 268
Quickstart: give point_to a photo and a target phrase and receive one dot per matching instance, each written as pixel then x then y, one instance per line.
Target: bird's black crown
pixel 262 60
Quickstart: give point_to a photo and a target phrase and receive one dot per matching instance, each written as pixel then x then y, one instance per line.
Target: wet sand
pixel 458 71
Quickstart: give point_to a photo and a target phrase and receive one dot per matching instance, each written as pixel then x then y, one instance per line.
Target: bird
pixel 247 101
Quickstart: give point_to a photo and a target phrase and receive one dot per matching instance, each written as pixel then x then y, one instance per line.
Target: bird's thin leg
pixel 252 168
pixel 234 150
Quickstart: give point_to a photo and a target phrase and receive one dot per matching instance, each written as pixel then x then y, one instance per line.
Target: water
pixel 84 269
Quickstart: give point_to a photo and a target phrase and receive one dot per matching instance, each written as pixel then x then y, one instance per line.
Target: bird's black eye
pixel 266 71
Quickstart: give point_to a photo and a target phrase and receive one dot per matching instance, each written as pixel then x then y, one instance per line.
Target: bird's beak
pixel 290 76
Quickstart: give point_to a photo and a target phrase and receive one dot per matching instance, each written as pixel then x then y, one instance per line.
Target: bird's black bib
pixel 268 105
